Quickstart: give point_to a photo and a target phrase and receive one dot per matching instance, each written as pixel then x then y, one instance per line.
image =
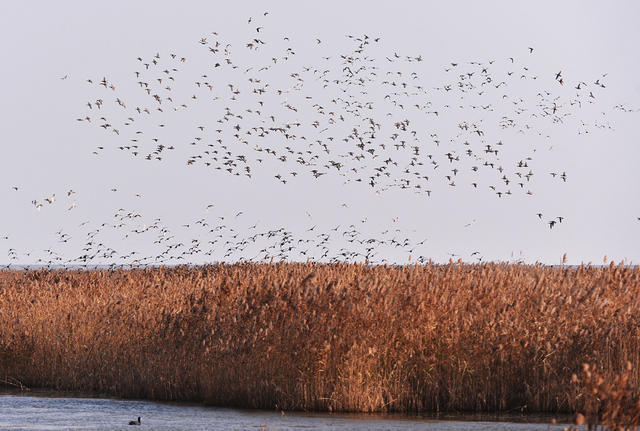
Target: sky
pixel 124 208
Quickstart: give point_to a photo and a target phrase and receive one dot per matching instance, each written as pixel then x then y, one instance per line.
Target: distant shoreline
pixel 30 267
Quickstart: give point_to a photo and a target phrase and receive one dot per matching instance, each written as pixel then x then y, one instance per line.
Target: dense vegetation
pixel 345 337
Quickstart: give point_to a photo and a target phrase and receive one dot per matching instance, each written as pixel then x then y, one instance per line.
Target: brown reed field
pixel 343 337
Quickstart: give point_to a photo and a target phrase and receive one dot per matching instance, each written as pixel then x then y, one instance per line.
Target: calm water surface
pixel 55 412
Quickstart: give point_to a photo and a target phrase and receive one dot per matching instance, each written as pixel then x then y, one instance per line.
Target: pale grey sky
pixel 45 151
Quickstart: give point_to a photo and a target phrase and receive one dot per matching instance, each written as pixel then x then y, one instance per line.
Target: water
pixel 52 412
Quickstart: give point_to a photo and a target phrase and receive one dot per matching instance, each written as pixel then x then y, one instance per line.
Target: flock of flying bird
pixel 260 108
pixel 207 235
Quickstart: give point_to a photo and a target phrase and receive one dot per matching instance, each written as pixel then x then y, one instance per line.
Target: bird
pixel 350 134
pixel 137 422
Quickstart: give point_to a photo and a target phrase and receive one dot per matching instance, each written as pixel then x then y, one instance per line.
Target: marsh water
pixel 55 412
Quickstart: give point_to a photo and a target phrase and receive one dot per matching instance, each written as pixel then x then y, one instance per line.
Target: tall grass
pixel 345 337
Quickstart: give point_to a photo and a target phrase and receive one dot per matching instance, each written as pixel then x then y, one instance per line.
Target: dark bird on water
pixel 135 422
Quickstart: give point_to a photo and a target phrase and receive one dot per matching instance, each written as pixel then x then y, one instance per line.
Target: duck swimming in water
pixel 135 422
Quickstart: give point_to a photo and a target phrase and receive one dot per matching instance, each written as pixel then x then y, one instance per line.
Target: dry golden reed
pixel 304 336
pixel 610 404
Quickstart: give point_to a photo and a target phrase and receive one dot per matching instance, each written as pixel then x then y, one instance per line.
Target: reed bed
pixel 343 337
